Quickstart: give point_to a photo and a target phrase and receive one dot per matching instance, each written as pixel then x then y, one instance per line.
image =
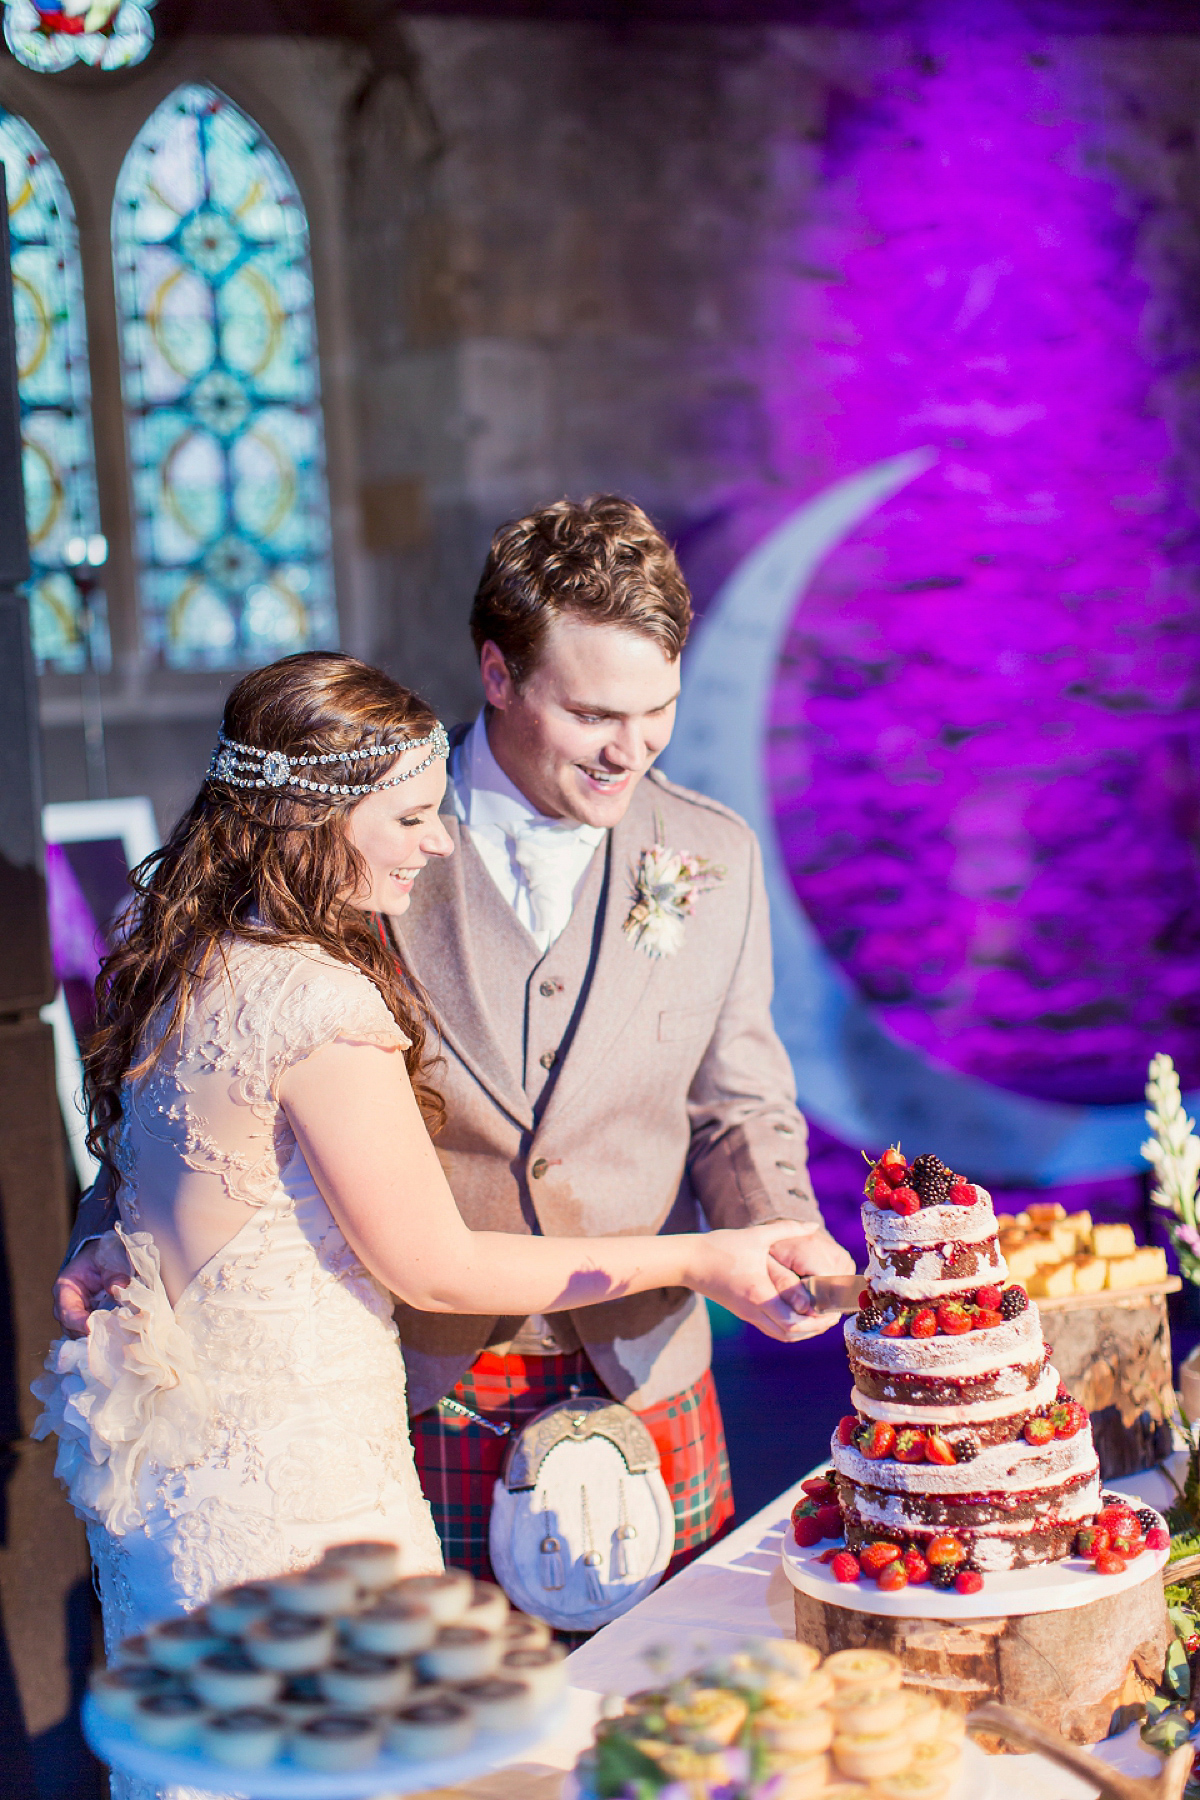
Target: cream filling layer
pixel 994 1545
pixel 965 1413
pixel 1015 1466
pixel 929 1280
pixel 974 1353
pixel 932 1225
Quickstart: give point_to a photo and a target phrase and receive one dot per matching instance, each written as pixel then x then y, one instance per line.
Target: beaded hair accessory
pixel 246 766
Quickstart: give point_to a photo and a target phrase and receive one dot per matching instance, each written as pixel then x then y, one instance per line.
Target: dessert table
pixel 734 1591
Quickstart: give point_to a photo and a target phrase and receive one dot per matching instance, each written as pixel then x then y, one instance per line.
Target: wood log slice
pixel 1072 1670
pixel 1113 1352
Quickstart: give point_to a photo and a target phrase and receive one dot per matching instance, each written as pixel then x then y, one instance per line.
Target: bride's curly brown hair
pixel 260 866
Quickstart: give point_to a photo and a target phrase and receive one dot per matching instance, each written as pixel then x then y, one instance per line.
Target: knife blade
pixel 832 1293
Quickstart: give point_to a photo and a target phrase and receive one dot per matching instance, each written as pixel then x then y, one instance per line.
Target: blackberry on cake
pixel 932 1180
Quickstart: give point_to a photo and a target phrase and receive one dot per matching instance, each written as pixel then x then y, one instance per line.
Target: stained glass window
pixel 56 421
pixel 222 391
pixel 49 35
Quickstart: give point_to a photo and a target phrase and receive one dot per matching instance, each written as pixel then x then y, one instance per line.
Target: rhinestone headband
pixel 246 766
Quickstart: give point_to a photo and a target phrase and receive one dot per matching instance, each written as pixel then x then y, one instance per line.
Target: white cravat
pixel 538 864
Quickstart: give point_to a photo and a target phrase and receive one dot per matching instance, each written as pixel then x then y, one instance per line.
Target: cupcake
pixel 520 1632
pixel 178 1643
pixel 363 1682
pixel 434 1723
pixel 170 1720
pixel 488 1606
pixel 289 1642
pixel 392 1626
pixel 235 1609
pixel 543 1668
pixel 334 1742
pixel 251 1737
pixel 447 1595
pixel 461 1653
pixel 373 1565
pixel 229 1679
pixel 319 1593
pixel 117 1691
pixel 499 1702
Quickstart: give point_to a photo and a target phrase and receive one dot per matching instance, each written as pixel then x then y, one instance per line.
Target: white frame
pixel 76 822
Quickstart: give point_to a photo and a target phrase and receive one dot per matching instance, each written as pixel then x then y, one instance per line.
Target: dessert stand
pixel 116 1745
pixel 1059 1641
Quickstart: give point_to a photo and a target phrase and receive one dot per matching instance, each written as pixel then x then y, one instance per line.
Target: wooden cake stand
pixel 1058 1641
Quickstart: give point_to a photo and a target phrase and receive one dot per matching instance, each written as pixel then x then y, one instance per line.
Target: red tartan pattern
pixel 459 1461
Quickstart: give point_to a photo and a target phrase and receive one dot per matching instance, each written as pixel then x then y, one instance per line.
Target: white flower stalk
pixel 666 884
pixel 1174 1155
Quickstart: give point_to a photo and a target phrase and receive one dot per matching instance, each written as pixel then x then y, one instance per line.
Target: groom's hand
pixel 88 1281
pixel 807 1250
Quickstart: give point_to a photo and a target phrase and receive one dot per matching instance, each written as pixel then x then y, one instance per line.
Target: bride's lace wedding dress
pixel 262 1418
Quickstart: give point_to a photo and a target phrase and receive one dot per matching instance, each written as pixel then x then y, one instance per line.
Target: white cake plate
pixel 1047 1587
pixel 116 1745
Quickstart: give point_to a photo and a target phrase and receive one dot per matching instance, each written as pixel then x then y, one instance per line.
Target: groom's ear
pixel 499 689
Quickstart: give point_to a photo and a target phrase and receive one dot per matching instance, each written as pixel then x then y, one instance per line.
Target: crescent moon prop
pixel 854 1077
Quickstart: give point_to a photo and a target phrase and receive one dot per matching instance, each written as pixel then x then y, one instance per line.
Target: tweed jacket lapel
pixel 456 921
pixel 622 973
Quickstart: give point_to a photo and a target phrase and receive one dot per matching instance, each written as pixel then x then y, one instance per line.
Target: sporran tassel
pixel 625 1531
pixel 592 1560
pixel 550 1561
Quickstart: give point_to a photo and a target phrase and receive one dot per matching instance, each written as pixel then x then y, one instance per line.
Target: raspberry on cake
pixel 961 1430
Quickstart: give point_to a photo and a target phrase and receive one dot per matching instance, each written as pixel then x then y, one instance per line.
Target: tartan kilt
pixel 459 1461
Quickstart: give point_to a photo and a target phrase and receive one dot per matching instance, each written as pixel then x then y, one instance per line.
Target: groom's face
pixel 587 722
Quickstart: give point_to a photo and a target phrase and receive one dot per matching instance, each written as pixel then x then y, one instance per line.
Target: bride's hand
pixel 737 1270
pixel 89 1281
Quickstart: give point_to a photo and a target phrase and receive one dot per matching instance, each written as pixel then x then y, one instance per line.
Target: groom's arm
pixel 749 1156
pixel 97 1213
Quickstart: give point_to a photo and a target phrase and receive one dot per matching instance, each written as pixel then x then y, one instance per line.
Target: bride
pixel 260 1097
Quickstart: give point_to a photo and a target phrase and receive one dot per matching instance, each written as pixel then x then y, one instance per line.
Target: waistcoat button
pixel 547 1059
pixel 548 989
pixel 539 1168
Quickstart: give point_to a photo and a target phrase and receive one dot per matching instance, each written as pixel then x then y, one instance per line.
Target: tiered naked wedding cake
pixel 961 1429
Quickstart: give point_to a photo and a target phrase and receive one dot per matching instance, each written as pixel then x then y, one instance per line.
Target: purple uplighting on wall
pixel 986 725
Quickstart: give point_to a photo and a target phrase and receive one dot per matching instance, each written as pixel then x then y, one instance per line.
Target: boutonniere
pixel 666 884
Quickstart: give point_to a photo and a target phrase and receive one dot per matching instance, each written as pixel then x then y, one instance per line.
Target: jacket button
pixel 788 1168
pixel 548 989
pixel 539 1168
pixel 548 1058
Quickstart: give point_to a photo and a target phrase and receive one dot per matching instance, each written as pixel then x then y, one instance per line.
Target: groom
pixel 609 1063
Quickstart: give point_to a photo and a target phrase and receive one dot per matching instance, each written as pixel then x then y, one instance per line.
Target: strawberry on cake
pixel 963 1446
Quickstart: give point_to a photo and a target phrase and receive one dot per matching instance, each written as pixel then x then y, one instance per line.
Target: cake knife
pixel 832 1293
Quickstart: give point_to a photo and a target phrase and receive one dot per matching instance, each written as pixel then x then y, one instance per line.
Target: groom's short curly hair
pixel 601 560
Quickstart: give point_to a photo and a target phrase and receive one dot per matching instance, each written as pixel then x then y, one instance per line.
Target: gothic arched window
pixel 55 393
pixel 222 390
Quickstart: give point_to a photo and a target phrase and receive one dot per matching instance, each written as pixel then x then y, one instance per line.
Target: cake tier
pixel 1002 1530
pixel 1003 1352
pixel 1012 1466
pixel 933 1254
pixel 996 1420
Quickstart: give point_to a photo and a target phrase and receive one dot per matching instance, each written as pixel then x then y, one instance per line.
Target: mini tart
pixel 937 1753
pixel 170 1720
pixel 499 1703
pixel 134 1650
pixel 488 1606
pixel 523 1633
pixel 178 1643
pixel 363 1682
pixel 318 1593
pixel 235 1609
pixel 870 1756
pixel 914 1784
pixel 447 1595
pixel 801 1780
pixel 806 1695
pixel 230 1679
pixel 952 1725
pixel 799 1734
pixel 874 1710
pixel 290 1643
pixel 542 1667
pixel 300 1699
pixel 117 1691
pixel 461 1653
pixel 374 1565
pixel 333 1742
pixel 923 1716
pixel 250 1737
pixel 435 1723
pixel 393 1626
pixel 863 1668
pixel 796 1659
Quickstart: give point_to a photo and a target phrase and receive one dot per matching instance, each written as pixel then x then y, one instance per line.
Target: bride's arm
pixel 357 1122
